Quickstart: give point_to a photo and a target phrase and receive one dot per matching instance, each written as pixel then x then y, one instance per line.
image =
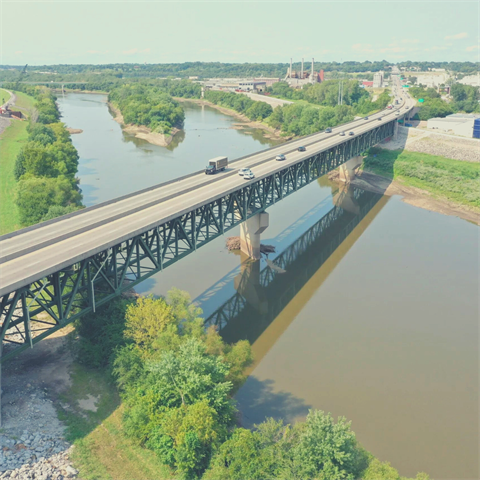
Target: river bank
pixel 142 132
pixel 272 133
pixel 413 196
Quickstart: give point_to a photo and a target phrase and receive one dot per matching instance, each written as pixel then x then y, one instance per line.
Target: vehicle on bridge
pixel 217 164
pixel 328 130
pixel 243 171
pixel 351 133
pixel 302 149
pixel 280 157
pixel 249 175
pixel 342 134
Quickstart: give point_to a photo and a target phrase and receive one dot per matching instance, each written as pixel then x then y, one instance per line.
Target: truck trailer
pixel 217 164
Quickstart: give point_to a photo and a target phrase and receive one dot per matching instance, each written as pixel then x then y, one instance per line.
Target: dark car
pixel 365 118
pixel 379 119
pixel 351 133
pixel 328 130
pixel 302 149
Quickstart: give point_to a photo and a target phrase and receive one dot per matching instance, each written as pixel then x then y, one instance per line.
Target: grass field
pixel 24 101
pixel 102 452
pixel 11 142
pixel 443 178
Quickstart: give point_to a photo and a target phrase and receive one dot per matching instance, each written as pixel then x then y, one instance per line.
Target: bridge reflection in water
pixel 261 295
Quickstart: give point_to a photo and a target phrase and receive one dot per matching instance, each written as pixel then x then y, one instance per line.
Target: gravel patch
pixel 32 442
pixel 4 123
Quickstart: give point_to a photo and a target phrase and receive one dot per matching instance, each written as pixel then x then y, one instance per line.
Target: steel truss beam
pixel 33 312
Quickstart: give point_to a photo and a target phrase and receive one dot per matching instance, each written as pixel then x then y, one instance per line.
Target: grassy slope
pixel 102 452
pixel 443 178
pixel 11 142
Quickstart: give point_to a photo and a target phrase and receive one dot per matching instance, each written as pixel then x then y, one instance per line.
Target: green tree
pixel 35 196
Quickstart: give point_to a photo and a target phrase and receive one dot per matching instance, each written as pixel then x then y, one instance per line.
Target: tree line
pixel 317 111
pixel 212 69
pixel 46 167
pixel 177 379
pixel 153 105
pixel 465 98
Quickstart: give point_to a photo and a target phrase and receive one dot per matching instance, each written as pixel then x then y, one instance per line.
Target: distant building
pixel 367 84
pixel 193 78
pixel 378 79
pixel 463 124
pixel 251 85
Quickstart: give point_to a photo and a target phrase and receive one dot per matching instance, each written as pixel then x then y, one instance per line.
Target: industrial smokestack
pixel 290 68
pixel 301 75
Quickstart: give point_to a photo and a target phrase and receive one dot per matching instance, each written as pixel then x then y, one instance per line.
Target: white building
pixel 458 124
pixel 378 79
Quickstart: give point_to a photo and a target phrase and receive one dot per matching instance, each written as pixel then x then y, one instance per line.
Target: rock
pixel 71 471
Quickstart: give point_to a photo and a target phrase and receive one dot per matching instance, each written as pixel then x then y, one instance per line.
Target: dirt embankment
pixel 411 195
pixel 271 133
pixel 433 143
pixel 143 132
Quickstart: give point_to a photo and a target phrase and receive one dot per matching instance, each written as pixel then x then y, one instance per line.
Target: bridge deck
pixel 31 254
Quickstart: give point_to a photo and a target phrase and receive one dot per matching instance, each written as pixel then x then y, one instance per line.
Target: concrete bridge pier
pixel 250 231
pixel 247 284
pixel 346 170
pixel 395 131
pixel 345 199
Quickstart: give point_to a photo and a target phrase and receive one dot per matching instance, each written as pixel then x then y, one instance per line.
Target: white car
pixel 243 171
pixel 249 176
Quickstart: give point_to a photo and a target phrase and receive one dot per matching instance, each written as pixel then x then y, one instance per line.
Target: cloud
pixel 363 47
pixel 393 49
pixel 134 51
pixel 458 36
pixel 472 48
pixel 435 47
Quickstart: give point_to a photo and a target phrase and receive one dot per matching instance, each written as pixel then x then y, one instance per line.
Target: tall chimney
pixel 290 68
pixel 311 76
pixel 301 75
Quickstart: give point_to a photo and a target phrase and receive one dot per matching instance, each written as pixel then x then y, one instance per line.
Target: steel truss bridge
pixel 281 280
pixel 33 307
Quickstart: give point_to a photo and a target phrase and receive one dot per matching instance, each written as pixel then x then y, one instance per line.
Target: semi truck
pixel 217 164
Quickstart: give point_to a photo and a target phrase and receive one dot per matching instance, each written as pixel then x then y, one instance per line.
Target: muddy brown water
pixel 374 318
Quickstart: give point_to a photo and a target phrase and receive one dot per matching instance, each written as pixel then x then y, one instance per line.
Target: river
pixel 370 310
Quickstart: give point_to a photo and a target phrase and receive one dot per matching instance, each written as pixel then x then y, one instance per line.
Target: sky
pixel 41 32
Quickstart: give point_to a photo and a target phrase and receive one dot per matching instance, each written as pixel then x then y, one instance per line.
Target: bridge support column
pixel 250 231
pixel 346 170
pixel 395 131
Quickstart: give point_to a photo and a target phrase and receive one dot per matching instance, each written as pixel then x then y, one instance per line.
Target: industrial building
pixel 463 124
pixel 299 79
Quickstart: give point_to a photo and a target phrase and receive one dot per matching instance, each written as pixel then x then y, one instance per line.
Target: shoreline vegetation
pixel 423 180
pixel 141 131
pixel 128 353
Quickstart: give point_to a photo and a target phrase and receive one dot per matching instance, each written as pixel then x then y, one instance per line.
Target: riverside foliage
pixel 46 167
pixel 152 106
pixel 177 380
